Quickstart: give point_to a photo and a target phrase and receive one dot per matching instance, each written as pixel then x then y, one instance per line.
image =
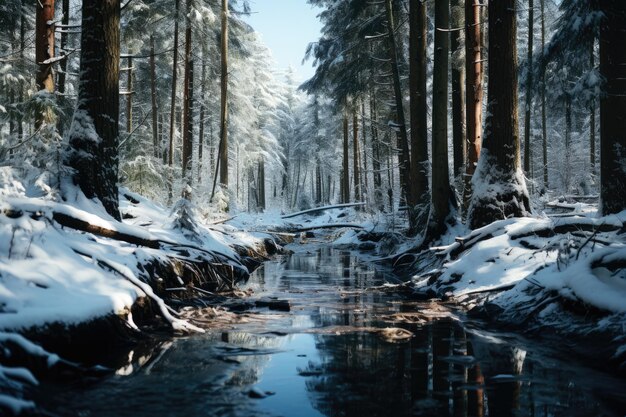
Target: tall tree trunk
pixel 205 56
pixel 499 186
pixel 62 74
pixel 544 121
pixel 44 52
pixel 188 102
pixel 355 154
pixel 94 133
pixel 170 159
pixel 529 88
pixel 592 115
pixel 613 108
pixel 345 176
pixel 418 75
pixel 261 185
pixel 155 108
pixel 65 20
pixel 223 152
pixel 376 166
pixel 318 182
pixel 364 179
pixel 442 195
pixel 458 88
pixel 400 125
pixel 473 91
pixel 568 140
pixel 129 95
pixel 22 46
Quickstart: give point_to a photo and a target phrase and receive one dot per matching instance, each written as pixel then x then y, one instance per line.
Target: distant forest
pixel 449 111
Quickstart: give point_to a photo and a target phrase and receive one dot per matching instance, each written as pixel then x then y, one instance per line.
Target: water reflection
pixel 444 370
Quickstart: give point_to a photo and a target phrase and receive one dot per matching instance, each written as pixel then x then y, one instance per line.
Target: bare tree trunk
pixel 318 182
pixel 544 122
pixel 442 195
pixel 592 116
pixel 94 156
pixel 261 185
pixel 65 20
pixel 188 103
pixel 202 110
pixel 129 95
pixel 376 166
pixel 418 40
pixel 62 73
pixel 20 96
pixel 473 91
pixel 458 89
pixel 170 159
pixel 400 126
pixel 223 153
pixel 364 179
pixel 568 140
pixel 613 107
pixel 155 108
pixel 529 88
pixel 502 190
pixel 44 52
pixel 355 154
pixel 345 177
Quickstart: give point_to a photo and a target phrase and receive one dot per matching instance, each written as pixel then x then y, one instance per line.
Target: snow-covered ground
pixel 566 272
pixel 55 274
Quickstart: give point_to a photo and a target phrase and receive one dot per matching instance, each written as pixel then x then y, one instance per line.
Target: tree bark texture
pixel 154 96
pixel 355 155
pixel 458 88
pixel 400 123
pixel 442 195
pixel 223 152
pixel 499 185
pixel 170 160
pixel 418 98
pixel 613 107
pixel 44 51
pixel 529 88
pixel 94 133
pixel 188 103
pixel 473 91
pixel 345 176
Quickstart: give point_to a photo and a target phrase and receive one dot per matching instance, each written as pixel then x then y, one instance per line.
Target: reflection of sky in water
pixel 281 376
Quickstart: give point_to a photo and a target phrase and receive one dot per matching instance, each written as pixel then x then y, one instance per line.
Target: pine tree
pixel 613 107
pixel 499 186
pixel 93 136
pixel 442 195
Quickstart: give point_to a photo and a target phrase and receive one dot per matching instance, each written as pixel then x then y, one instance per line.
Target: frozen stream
pixel 326 358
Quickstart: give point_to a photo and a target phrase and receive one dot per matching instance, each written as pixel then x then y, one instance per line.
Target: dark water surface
pixel 325 358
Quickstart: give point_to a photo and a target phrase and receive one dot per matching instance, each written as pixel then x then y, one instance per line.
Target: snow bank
pixel 515 262
pixel 51 274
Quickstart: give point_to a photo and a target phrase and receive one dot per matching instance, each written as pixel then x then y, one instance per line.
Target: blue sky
pixel 287 27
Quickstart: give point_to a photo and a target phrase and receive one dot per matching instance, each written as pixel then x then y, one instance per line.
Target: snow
pixel 16 405
pixel 50 274
pixel 516 267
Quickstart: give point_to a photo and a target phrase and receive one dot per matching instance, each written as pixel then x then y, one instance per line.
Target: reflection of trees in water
pixel 361 375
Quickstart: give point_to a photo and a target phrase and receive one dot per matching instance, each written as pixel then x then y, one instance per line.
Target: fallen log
pixel 83 226
pixel 569 227
pixel 329 226
pixel 319 209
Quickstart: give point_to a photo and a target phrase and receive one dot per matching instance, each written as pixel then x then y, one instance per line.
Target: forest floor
pixel 68 264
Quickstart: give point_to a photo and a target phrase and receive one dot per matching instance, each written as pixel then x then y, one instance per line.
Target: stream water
pixel 328 357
